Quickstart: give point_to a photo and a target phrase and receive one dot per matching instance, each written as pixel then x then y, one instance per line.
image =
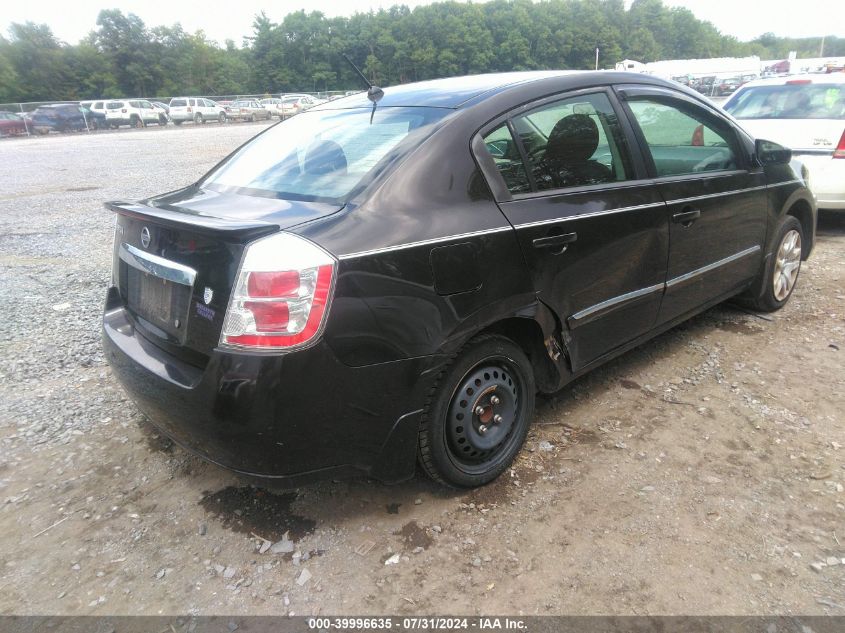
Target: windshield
pixel 790 101
pixel 325 155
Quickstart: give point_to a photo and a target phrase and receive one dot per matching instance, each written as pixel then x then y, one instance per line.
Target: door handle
pixel 555 241
pixel 687 216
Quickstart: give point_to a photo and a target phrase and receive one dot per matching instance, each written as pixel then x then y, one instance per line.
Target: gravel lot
pixel 700 474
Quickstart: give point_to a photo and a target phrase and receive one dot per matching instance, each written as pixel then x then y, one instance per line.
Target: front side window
pixel 324 156
pixel 681 142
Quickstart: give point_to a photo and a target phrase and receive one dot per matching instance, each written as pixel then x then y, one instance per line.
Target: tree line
pixel 123 56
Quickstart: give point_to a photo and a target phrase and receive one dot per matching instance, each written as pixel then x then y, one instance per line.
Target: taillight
pixel 839 152
pixel 190 109
pixel 281 296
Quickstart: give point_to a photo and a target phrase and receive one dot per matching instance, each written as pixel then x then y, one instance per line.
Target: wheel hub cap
pixel 482 413
pixel 787 264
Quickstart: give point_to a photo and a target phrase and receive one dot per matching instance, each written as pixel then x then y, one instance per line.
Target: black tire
pixel 198 118
pixel 221 117
pixel 137 122
pixel 459 447
pixel 785 258
pixel 162 120
pixel 177 123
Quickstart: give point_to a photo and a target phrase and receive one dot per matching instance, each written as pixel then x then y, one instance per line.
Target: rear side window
pixel 192 102
pixel 575 142
pixel 681 142
pixel 790 101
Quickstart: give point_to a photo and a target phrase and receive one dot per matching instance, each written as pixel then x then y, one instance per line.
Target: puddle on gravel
pixel 257 511
pixel 414 536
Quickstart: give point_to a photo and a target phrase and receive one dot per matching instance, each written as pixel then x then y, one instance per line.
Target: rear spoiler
pixel 235 230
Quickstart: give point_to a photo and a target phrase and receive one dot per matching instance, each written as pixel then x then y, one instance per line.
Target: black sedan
pixel 391 277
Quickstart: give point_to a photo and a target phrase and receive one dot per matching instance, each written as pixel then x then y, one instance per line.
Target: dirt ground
pixel 699 474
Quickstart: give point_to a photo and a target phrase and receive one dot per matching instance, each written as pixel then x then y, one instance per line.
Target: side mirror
pixel 770 153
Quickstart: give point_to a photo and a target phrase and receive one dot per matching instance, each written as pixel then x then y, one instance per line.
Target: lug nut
pixel 497 419
pixel 482 429
pixel 494 400
pixel 479 410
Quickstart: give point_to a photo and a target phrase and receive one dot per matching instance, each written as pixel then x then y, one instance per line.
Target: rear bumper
pixel 827 179
pixel 294 417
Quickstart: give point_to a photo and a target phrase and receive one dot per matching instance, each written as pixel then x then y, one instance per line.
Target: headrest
pixel 573 139
pixel 324 157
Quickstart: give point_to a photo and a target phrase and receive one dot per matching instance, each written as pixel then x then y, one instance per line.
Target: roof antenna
pixel 374 93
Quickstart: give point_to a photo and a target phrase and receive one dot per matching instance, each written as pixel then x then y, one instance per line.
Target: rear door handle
pixel 555 241
pixel 687 216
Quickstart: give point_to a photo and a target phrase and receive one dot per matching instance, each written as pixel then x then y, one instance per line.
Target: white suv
pixel 807 114
pixel 95 106
pixel 196 109
pixel 134 112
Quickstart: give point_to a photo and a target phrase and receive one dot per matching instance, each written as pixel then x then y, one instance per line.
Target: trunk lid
pixel 800 135
pixel 176 258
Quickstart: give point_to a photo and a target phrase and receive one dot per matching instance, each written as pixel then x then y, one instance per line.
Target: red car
pixel 11 123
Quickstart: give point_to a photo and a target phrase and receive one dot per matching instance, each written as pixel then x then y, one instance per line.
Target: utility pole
pixel 597 56
pixel 821 48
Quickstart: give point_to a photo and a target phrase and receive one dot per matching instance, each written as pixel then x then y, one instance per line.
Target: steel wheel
pixel 482 414
pixel 477 416
pixel 787 264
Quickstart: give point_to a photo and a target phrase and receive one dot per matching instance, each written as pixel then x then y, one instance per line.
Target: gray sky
pixel 72 20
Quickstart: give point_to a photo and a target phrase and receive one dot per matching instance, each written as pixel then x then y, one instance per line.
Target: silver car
pixel 247 110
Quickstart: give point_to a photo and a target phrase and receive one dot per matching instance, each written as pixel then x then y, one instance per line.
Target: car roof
pixel 827 78
pixel 450 92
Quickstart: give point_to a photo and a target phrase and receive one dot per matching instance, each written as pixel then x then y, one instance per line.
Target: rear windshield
pixel 178 103
pixel 324 156
pixel 114 105
pixel 790 101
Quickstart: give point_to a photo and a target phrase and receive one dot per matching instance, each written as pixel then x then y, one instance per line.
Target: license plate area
pixel 157 292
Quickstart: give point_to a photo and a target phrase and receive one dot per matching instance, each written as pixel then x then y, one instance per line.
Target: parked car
pixel 11 124
pixel 706 85
pixel 294 104
pixel 727 86
pixel 133 112
pixel 366 286
pixel 806 114
pixel 94 120
pixel 62 117
pixel 196 109
pixel 247 110
pixel 163 106
pixel 95 106
pixel 273 105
